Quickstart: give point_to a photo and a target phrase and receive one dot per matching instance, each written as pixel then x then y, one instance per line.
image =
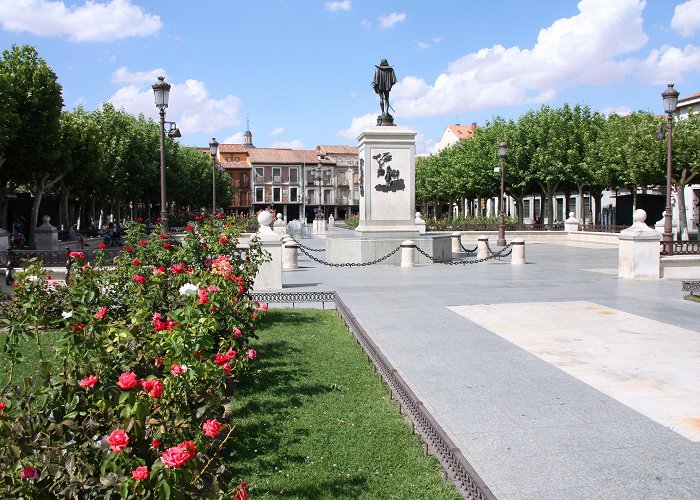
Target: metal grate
pixel 691 286
pixel 294 297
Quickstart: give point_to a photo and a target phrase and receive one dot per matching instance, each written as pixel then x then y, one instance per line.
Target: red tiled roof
pixel 277 155
pixel 463 131
pixel 233 148
pixel 694 96
pixel 337 150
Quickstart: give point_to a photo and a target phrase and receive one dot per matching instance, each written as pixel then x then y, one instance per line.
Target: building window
pixel 526 209
pixel 326 196
pixel 259 174
pixel 293 175
pixel 228 158
pixel 276 194
pixel 293 194
pixel 244 179
pixel 238 158
pixel 259 195
pixel 276 174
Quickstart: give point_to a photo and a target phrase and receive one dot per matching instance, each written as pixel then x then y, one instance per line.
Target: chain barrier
pixel 494 255
pixel 350 264
pixel 500 253
pixel 304 247
pixel 467 250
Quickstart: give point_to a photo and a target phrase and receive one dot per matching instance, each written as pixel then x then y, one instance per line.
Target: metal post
pixel 213 185
pixel 668 225
pixel 502 224
pixel 163 208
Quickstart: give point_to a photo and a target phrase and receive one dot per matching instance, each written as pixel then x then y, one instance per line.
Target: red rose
pixel 153 387
pixel 118 440
pixel 101 313
pixel 237 332
pixel 158 219
pixel 189 228
pixel 178 268
pixel 128 380
pixel 220 216
pixel 223 239
pixel 139 219
pixel 155 443
pixel 144 243
pixel 158 361
pixel 241 492
pixel 139 279
pixel 211 428
pixel 176 369
pixel 175 457
pixel 29 472
pixel 203 296
pixel 197 217
pixel 220 359
pixel 264 307
pixel 251 354
pixel 89 382
pixel 102 246
pixel 230 354
pixel 77 255
pixel 78 327
pixel 136 262
pixel 2 405
pixel 189 447
pixel 226 367
pixel 163 236
pixel 128 249
pixel 166 245
pixel 140 472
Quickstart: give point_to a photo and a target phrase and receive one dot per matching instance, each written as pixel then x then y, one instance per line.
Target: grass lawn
pixel 315 421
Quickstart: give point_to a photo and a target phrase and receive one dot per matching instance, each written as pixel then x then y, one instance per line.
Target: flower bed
pixel 149 358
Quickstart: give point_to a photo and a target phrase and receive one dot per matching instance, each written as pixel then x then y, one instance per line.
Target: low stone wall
pixel 680 267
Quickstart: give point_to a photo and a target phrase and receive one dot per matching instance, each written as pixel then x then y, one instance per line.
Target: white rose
pixel 188 289
pixel 67 315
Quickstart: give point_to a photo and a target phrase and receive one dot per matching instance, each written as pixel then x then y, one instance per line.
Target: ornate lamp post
pixel 502 152
pixel 161 90
pixel 318 172
pixel 214 150
pixel 670 98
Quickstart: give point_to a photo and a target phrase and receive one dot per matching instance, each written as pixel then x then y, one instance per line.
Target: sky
pixel 299 72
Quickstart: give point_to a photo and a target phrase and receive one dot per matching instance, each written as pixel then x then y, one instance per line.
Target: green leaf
pixel 164 490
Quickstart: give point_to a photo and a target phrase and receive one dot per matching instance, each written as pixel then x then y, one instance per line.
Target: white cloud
pixel 91 22
pixel 277 131
pixel 667 64
pixel 389 20
pixel 295 144
pixel 358 125
pixel 338 5
pixel 236 138
pixel 122 75
pixel 366 24
pixel 423 45
pixel 437 39
pixel 190 106
pixel 686 17
pixel 589 47
pixel 616 110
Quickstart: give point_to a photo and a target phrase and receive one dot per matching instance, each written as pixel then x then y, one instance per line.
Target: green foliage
pixel 352 221
pixel 163 306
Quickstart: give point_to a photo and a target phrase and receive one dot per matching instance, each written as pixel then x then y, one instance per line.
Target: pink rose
pixel 153 387
pixel 213 288
pixel 203 296
pixel 139 279
pixel 141 472
pixel 89 382
pixel 118 440
pixel 211 428
pixel 237 332
pixel 230 354
pixel 176 369
pixel 175 457
pixel 29 472
pixel 251 354
pixel 128 380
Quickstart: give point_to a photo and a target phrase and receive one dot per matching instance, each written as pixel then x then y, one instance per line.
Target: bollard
pixel 456 242
pixel 518 255
pixel 408 253
pixel 482 247
pixel 290 255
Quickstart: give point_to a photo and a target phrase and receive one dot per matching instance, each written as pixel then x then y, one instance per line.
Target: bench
pixel 691 286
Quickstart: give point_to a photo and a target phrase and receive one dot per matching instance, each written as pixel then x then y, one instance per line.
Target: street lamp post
pixel 214 150
pixel 161 91
pixel 670 98
pixel 502 152
pixel 319 175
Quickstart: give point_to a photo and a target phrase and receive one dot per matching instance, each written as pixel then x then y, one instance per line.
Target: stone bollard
pixel 290 255
pixel 639 250
pixel 408 253
pixel 456 242
pixel 518 255
pixel 571 224
pixel 46 235
pixel 482 247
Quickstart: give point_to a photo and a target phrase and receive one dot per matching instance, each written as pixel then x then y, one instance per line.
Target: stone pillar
pixel 290 255
pixel 387 181
pixel 280 227
pixel 331 220
pixel 456 242
pixel 420 223
pixel 482 247
pixel 518 255
pixel 269 275
pixel 408 253
pixel 639 250
pixel 571 224
pixel 46 235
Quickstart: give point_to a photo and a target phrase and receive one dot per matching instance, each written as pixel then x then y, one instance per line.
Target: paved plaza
pixel 556 379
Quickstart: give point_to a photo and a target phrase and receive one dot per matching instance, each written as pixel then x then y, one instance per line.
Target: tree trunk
pixel 682 219
pixel 581 205
pixel 66 221
pixel 595 213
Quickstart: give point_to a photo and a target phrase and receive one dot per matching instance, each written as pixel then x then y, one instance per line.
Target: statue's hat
pixel 383 65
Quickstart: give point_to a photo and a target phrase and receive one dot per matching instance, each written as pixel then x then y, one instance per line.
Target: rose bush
pixel 134 401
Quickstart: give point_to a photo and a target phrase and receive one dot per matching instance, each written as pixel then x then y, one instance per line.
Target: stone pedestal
pixel 46 235
pixel 639 250
pixel 269 275
pixel 387 181
pixel 408 253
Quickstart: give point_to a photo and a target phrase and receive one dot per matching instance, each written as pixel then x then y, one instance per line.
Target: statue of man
pixel 384 79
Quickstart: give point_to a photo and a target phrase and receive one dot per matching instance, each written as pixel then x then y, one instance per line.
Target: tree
pixel 686 162
pixel 32 152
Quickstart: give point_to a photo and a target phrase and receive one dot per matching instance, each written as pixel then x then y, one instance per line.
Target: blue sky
pixel 300 70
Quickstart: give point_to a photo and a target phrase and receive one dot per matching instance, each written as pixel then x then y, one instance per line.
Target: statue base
pixel 385 120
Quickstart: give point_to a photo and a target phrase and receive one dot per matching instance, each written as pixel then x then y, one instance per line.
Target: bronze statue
pixel 384 79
